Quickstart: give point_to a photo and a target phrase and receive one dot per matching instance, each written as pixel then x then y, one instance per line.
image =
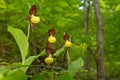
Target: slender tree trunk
pixel 86 19
pixel 86 16
pixel 99 55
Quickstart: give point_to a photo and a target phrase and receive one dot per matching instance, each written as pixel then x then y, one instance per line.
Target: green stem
pixel 52 77
pixel 28 33
pixel 23 62
pixel 68 57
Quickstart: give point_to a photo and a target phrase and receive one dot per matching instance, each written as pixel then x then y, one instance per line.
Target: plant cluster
pixel 17 70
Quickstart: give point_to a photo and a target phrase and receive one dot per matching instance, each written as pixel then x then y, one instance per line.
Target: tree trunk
pixel 86 19
pixel 86 16
pixel 99 51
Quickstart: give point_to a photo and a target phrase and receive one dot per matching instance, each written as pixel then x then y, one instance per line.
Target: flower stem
pixel 28 32
pixel 52 77
pixel 68 57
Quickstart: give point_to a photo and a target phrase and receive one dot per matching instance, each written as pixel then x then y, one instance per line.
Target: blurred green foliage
pixel 64 16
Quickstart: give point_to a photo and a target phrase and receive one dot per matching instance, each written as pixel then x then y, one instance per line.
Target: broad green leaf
pixel 31 2
pixel 63 3
pixel 75 66
pixel 16 65
pixel 4 63
pixel 74 15
pixel 75 51
pixel 27 62
pixel 59 9
pixel 117 8
pixel 30 59
pixel 48 9
pixel 41 53
pixel 65 76
pixel 2 4
pixel 15 75
pixel 37 76
pixel 21 40
pixel 58 52
pixel 4 70
pixel 61 23
pixel 1 76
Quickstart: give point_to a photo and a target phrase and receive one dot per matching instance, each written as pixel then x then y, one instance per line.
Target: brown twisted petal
pixel 33 10
pixel 66 37
pixel 49 49
pixel 32 25
pixel 51 32
pixel 52 64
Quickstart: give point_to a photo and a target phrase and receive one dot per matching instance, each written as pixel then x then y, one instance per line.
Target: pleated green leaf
pixel 75 66
pixel 21 40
